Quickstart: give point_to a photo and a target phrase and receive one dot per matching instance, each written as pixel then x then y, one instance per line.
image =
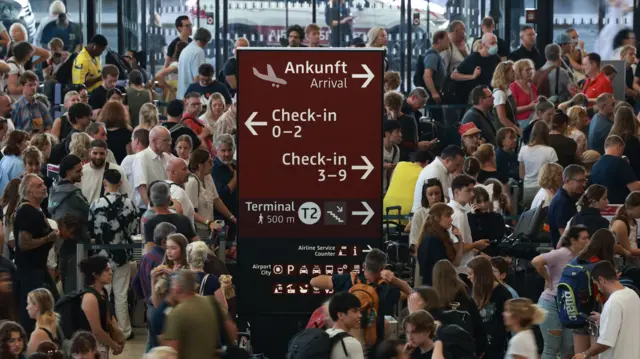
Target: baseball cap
pixel 468 129
pixel 563 39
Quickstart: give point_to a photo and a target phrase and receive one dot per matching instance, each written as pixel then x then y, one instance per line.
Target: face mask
pixel 493 50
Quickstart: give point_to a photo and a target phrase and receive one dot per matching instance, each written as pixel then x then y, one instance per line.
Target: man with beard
pixel 93 172
pixel 225 176
pixel 67 199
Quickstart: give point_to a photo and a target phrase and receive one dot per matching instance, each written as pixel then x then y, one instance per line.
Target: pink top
pixel 522 99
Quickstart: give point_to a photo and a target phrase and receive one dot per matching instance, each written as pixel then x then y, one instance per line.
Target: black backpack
pixel 69 307
pixel 418 76
pixel 315 343
pixel 458 317
pixel 64 73
pixel 458 343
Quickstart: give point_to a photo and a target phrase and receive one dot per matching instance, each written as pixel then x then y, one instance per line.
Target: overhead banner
pixel 309 171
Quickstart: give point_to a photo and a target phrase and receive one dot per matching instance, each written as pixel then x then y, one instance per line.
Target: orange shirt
pixel 595 88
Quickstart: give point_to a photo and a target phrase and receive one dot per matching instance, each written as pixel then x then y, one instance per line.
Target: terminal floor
pixel 134 349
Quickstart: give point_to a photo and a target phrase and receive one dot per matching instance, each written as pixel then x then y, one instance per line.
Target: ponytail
pixel 592 195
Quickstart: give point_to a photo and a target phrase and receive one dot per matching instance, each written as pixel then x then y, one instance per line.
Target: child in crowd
pixel 519 315
pixel 500 270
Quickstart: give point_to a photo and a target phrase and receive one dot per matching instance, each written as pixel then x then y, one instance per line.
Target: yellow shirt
pixel 83 66
pixel 402 186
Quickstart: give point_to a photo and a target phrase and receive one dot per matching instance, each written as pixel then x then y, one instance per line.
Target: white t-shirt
pixel 620 325
pixel 461 221
pixel 354 348
pixel 178 194
pixel 202 196
pixel 499 97
pixel 523 344
pixel 534 157
pixel 435 169
pixel 542 198
pixel 91 183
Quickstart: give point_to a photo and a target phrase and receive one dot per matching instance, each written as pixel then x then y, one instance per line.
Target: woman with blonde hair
pixel 626 127
pixel 549 180
pixel 209 284
pixel 519 316
pixel 40 308
pixel 215 109
pixel 503 100
pixel 80 146
pixel 161 353
pixel 148 116
pixel 377 37
pixel 524 92
pixel 43 143
pixel 578 118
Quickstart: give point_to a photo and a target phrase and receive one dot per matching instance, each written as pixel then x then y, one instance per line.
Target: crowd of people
pixel 542 131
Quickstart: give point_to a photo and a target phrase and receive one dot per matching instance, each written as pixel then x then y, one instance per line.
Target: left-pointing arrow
pixel 250 123
pixel 368 213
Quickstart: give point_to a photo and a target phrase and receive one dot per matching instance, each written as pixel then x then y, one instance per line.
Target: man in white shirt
pixel 442 168
pixel 462 188
pixel 190 60
pixel 93 173
pixel 139 142
pixel 344 310
pixel 151 164
pixel 177 176
pixel 620 318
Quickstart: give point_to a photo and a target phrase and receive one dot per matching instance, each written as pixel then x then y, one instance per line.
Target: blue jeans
pixel 554 344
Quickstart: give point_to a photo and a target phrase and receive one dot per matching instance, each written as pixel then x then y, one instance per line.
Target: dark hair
pixel 113 91
pixel 526 27
pixel 113 114
pixel 595 58
pixel 192 94
pixel 110 70
pixel 68 162
pixel 99 143
pixel 78 110
pixel 572 232
pixel 389 126
pixel 49 350
pixel 82 342
pixel 93 266
pixel 620 37
pixel 461 182
pixel 502 134
pixel 206 70
pixel 375 261
pixel 501 264
pixel 602 245
pixel 178 50
pixel 483 282
pixel 175 108
pixel 439 36
pixel 488 21
pixel 422 322
pixel 296 28
pixel 112 176
pixel 136 78
pixel 559 121
pixel 471 166
pixel 180 19
pixel 423 157
pixel 15 138
pixel 342 302
pixel 431 182
pixel 28 76
pixel 481 194
pixel 604 270
pixel 624 214
pixel 388 349
pixel 451 152
pixel 430 297
pixel 202 35
pixel 22 50
pixel 433 228
pixel 198 157
pixel 142 136
pixel 477 94
pixel 99 40
pixel 6 328
pixel 593 194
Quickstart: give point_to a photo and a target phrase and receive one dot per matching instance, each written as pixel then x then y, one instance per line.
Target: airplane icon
pixel 270 77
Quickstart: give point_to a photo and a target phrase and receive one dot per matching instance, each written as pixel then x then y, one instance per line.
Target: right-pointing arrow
pixel 369 249
pixel 368 213
pixel 368 167
pixel 369 76
pixel 250 123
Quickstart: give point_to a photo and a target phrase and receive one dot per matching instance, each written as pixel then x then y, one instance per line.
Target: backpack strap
pixel 204 281
pixel 106 168
pixel 340 338
pixel 557 79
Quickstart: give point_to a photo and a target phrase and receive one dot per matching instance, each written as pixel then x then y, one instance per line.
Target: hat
pixel 563 39
pixel 468 129
pixel 357 42
pixel 590 156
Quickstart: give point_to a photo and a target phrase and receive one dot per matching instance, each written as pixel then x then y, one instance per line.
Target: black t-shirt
pixel 32 220
pixel 98 97
pixel 184 130
pixel 494 324
pixel 483 176
pixel 487 226
pixel 418 354
pixel 183 225
pixel 409 130
pixel 533 55
pixel 230 69
pixel 601 174
pixel 207 91
pixel 467 67
pixel 632 151
pixel 629 81
pixel 172 46
pixel 430 251
pixel 117 141
pixel 565 148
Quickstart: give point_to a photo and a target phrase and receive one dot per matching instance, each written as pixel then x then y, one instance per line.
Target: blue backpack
pixel 575 299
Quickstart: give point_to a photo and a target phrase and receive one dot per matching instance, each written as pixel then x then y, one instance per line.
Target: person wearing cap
pixel 390 150
pixel 87 69
pixel 480 115
pixel 470 137
pixel 527 49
